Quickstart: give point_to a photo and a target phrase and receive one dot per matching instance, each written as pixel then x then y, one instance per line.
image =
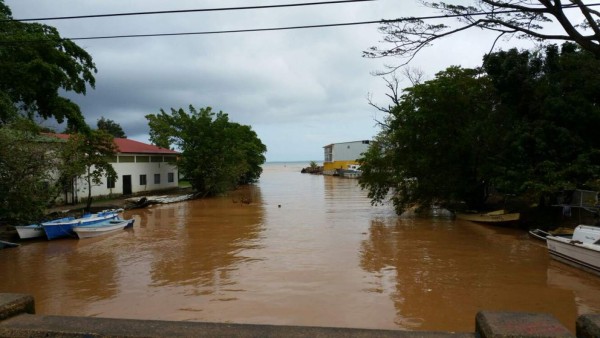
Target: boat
pixel 498 216
pixel 541 234
pixel 104 228
pixel 4 245
pixel 37 230
pixel 582 249
pixel 65 229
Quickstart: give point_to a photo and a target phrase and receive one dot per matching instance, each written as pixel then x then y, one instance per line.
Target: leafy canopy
pixel 111 127
pixel 525 123
pixel 217 155
pixel 27 165
pixel 36 64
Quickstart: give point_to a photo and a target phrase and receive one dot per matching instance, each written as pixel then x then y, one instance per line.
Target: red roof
pixel 128 146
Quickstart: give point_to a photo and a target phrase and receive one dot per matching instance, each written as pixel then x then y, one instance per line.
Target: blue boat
pixel 37 230
pixel 65 229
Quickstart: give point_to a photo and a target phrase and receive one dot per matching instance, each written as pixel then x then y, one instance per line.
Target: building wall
pixel 343 154
pixel 134 165
pixel 349 151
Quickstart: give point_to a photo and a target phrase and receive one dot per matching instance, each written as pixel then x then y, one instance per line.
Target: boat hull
pixel 55 230
pixel 101 229
pixel 30 231
pixel 492 217
pixel 582 255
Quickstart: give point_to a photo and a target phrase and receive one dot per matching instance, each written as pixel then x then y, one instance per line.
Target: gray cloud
pixel 300 90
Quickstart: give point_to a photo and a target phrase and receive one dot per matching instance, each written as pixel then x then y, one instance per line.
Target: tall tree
pixel 522 18
pixel 524 124
pixel 111 127
pixel 27 168
pixel 88 156
pixel 551 99
pixel 36 65
pixel 434 144
pixel 217 155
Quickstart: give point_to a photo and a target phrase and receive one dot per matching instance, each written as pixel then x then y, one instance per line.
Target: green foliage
pixel 26 167
pixel 433 147
pixel 526 125
pixel 217 155
pixel 111 127
pixel 552 101
pixel 36 63
pixel 87 155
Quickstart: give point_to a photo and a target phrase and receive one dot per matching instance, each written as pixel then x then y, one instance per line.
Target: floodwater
pixel 298 250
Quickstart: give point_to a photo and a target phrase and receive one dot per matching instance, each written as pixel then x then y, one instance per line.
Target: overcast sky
pixel 299 89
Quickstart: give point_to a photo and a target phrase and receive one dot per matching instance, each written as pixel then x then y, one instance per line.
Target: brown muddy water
pixel 306 250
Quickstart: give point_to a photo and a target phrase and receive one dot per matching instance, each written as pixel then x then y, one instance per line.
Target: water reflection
pixel 440 273
pixel 299 250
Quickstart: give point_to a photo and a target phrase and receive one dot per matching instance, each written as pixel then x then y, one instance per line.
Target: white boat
pixel 65 229
pixel 104 228
pixel 37 230
pixel 581 250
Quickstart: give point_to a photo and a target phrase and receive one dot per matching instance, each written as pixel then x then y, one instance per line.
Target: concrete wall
pixel 18 319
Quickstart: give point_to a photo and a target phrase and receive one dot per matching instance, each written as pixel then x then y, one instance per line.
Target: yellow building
pixel 343 156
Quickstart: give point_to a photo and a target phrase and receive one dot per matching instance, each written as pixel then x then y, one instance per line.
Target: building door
pixel 126 184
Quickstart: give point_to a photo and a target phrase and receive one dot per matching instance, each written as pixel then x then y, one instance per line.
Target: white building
pixel 343 155
pixel 140 167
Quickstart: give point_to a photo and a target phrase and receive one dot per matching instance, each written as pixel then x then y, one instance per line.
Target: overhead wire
pixel 190 10
pixel 355 23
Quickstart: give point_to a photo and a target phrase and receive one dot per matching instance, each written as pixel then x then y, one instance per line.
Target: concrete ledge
pixel 588 326
pixel 12 304
pixel 18 319
pixel 80 327
pixel 516 325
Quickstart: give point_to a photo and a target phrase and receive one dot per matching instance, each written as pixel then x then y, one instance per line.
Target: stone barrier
pixel 18 319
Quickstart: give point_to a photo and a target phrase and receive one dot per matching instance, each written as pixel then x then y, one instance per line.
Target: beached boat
pixel 581 250
pixel 101 229
pixel 4 245
pixel 498 216
pixel 37 230
pixel 541 234
pixel 65 229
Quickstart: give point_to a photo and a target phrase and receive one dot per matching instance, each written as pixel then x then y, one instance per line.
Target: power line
pixel 191 10
pixel 229 31
pixel 356 23
pixel 432 17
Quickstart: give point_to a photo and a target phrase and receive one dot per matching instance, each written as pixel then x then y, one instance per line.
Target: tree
pixel 36 65
pixel 88 155
pixel 551 99
pixel 111 127
pixel 522 18
pixel 27 166
pixel 524 124
pixel 433 144
pixel 217 155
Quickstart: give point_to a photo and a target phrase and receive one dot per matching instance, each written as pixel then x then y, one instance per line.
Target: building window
pixel 156 178
pixel 110 182
pixel 126 159
pixel 171 178
pixel 142 159
pixel 156 159
pixel 142 179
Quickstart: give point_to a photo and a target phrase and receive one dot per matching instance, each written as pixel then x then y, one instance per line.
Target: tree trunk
pixel 89 199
